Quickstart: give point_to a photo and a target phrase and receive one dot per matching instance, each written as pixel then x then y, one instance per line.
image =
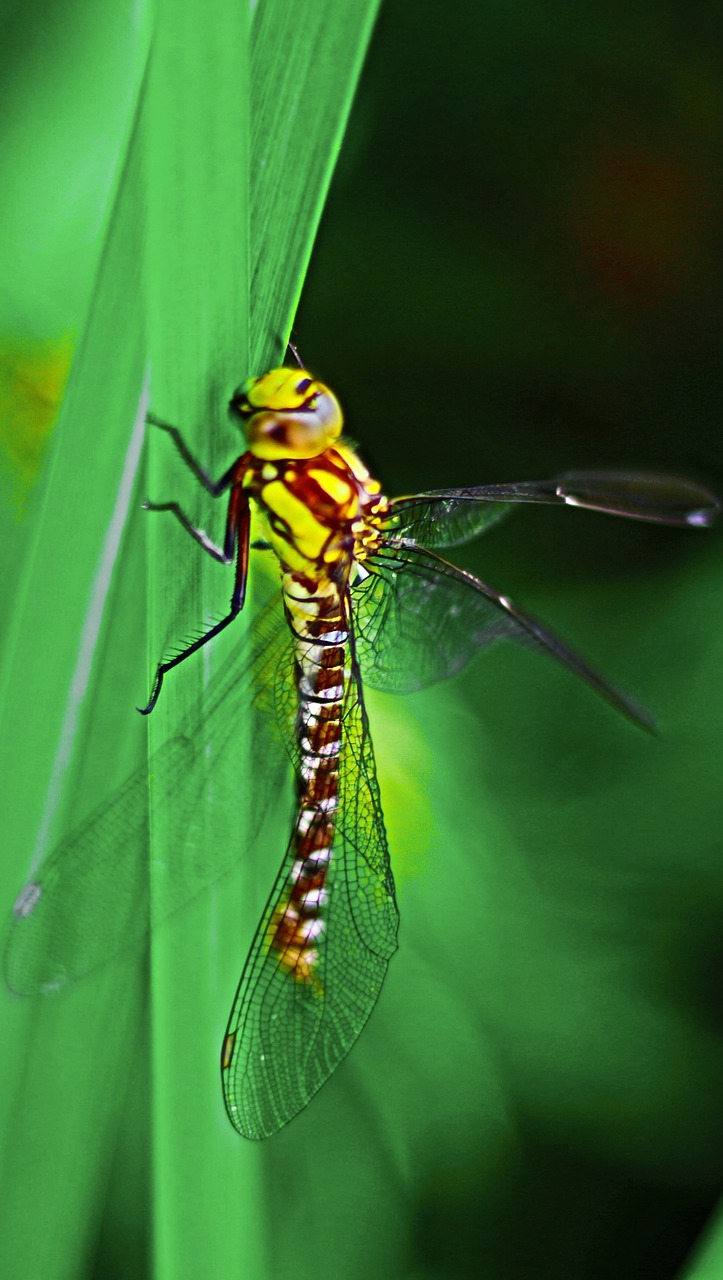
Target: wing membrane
pixel 285 1037
pixel 447 517
pixel 90 901
pixel 420 619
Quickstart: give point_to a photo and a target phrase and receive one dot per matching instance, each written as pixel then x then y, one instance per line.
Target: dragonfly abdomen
pixel 316 617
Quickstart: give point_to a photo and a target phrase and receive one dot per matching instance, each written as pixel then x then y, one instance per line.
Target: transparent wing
pixel 90 901
pixel 285 1037
pixel 420 619
pixel 447 517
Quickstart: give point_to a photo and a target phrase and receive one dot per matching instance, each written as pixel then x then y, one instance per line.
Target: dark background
pixel 519 272
pixel 519 265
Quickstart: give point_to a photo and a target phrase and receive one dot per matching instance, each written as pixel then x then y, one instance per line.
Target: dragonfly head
pixel 287 414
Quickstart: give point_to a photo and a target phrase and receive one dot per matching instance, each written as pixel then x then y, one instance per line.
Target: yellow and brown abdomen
pixel 322 515
pixel 317 618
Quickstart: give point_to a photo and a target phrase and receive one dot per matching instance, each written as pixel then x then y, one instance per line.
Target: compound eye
pixel 303 385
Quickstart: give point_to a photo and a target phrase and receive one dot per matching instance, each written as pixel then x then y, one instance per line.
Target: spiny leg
pixel 164 667
pixel 200 535
pixel 214 487
pixel 238 523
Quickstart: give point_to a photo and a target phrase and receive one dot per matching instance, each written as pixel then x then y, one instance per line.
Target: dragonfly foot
pixel 146 711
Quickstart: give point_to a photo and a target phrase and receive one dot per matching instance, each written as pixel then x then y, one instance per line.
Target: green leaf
pixel 226 136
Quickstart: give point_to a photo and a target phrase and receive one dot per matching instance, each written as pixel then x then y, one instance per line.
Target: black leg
pixel 214 487
pixel 200 535
pixel 236 540
pixel 163 667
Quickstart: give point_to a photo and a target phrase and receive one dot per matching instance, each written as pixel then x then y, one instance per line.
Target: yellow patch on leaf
pixel 33 374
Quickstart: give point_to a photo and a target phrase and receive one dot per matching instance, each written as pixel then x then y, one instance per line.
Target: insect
pixel 367 599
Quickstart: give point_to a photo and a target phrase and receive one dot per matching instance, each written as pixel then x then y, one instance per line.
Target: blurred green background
pixel 518 272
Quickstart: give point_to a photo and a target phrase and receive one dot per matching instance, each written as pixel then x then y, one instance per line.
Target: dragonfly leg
pixel 237 537
pixel 163 667
pixel 214 487
pixel 200 535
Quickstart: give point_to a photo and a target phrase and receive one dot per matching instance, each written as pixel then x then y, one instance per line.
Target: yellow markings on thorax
pixel 308 534
pixel 306 529
pixel 357 468
pixel 335 485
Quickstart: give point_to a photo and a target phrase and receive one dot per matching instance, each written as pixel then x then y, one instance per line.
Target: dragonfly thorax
pixel 322 513
pixel 287 414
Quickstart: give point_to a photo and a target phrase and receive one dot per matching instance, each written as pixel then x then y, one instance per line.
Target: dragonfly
pixel 368 601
